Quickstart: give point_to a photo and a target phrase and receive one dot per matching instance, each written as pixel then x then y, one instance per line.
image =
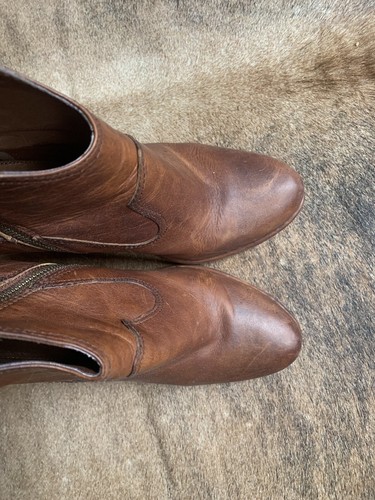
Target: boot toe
pixel 270 338
pixel 238 333
pixel 251 198
pixel 263 336
pixel 271 199
pixel 284 200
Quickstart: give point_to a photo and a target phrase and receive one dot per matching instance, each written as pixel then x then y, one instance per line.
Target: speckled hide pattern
pixel 291 79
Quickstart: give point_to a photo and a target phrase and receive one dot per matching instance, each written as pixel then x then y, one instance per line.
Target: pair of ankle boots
pixel 71 183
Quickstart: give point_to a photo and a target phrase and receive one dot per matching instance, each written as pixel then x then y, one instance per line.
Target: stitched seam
pixel 14 274
pixel 59 273
pixel 132 281
pixel 122 246
pixel 139 353
pixel 157 296
pixel 135 203
pixel 36 286
pixel 34 236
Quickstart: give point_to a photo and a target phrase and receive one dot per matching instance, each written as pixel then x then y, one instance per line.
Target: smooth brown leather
pixel 177 325
pixel 70 182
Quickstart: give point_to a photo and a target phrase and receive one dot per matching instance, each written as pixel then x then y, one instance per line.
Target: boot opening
pixel 20 351
pixel 38 131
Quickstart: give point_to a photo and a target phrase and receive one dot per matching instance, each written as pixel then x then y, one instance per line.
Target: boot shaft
pixel 56 159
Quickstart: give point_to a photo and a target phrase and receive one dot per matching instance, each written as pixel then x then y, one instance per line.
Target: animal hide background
pixel 290 78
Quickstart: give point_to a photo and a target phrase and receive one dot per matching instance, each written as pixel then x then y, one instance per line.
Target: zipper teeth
pixel 25 239
pixel 16 289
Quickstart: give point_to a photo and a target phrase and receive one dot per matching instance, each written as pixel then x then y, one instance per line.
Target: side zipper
pixel 26 280
pixel 16 236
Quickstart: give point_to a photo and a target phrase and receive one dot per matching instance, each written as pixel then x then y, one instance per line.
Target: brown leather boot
pixel 69 182
pixel 178 325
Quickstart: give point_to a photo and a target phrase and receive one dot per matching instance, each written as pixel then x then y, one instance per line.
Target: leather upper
pixel 184 202
pixel 178 325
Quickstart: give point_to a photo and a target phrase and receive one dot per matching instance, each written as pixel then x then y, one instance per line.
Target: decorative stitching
pixel 139 346
pixel 35 287
pixel 135 204
pixel 129 324
pixel 14 274
pixel 132 281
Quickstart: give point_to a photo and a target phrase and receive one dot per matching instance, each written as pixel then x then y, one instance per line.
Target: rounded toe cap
pixel 240 200
pixel 233 332
pixel 259 198
pixel 286 196
pixel 264 337
pixel 275 202
pixel 273 344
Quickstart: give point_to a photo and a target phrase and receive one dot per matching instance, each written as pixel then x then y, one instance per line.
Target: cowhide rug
pixel 294 79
